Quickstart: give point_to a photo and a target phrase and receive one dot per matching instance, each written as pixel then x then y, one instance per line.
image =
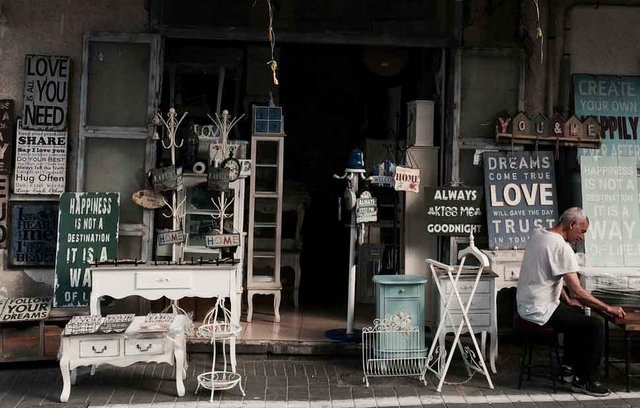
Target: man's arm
pixel 584 297
pixel 564 296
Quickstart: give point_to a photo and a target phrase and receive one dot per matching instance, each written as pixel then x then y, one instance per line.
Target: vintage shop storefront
pixel 206 68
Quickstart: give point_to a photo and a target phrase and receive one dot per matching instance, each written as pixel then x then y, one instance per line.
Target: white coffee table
pixel 125 349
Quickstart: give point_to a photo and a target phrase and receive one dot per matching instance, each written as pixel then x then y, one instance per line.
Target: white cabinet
pixel 124 349
pixel 265 220
pixel 199 210
pixel 506 264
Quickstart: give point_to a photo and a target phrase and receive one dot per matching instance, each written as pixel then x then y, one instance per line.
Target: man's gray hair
pixel 573 214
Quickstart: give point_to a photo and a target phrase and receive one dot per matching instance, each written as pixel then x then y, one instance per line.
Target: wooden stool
pixel 534 334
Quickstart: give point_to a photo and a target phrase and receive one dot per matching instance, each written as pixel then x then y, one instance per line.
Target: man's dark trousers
pixel 583 340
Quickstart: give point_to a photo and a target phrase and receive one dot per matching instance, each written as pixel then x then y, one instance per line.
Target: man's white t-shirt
pixel 547 258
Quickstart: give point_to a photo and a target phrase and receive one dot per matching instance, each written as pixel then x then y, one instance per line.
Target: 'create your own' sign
pixel 46 92
pixel 87 233
pixel 520 196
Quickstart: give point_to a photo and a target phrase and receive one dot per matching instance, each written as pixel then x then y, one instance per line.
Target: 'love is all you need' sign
pixel 87 233
pixel 46 92
pixel 520 196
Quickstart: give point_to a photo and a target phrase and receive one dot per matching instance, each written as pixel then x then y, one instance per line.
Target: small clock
pixel 233 165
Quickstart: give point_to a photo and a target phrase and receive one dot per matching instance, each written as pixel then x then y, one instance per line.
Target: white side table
pixel 124 349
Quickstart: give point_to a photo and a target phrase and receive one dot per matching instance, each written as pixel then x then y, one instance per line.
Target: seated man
pixel 549 261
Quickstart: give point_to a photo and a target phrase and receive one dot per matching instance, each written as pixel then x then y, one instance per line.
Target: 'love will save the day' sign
pixel 520 195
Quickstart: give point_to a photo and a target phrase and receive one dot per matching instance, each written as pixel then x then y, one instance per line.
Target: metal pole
pixel 351 297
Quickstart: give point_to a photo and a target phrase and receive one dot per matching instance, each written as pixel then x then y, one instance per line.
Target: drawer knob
pixel 144 349
pixel 95 350
pixel 162 280
pixel 401 291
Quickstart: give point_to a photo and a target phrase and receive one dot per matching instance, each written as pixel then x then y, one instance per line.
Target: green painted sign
pixel 87 233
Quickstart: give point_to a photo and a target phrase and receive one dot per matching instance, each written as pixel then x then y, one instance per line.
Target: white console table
pixel 171 281
pixel 124 349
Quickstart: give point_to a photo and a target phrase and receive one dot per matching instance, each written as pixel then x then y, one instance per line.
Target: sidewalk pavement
pixel 274 381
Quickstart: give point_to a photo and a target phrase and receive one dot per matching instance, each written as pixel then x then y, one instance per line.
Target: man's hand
pixel 615 311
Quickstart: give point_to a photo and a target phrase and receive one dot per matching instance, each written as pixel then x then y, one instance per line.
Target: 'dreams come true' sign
pixel 520 195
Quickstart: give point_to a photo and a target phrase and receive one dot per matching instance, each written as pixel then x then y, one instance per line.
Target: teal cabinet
pixel 401 298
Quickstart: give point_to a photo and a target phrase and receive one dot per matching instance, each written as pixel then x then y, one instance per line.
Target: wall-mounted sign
pixel 170 237
pixel 34 227
pixel 164 178
pixel 573 131
pixel 407 179
pixel 615 102
pixel 46 92
pixel 4 206
pixel 87 233
pixel 610 199
pixel 454 211
pixel 520 195
pixel 24 309
pixel 366 208
pixel 222 240
pixel 148 199
pixel 6 134
pixel 41 161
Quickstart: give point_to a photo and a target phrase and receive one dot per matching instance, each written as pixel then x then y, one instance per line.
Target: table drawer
pixel 466 286
pixel 403 291
pixel 477 320
pixel 480 302
pixel 100 348
pixel 163 280
pixel 138 347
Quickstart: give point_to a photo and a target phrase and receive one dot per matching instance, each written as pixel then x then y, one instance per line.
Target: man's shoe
pixel 593 388
pixel 566 374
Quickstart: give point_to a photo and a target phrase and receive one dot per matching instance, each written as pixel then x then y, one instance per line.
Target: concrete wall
pixel 55 27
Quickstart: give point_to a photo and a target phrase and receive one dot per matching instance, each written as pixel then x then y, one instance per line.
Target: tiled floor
pixel 307 324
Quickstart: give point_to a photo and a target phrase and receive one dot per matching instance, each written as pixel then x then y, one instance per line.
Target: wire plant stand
pixel 219 330
pixel 392 348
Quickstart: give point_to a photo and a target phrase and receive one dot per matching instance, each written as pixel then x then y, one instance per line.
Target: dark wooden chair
pixel 534 335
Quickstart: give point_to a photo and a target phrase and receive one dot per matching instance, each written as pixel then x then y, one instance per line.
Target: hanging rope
pixel 272 42
pixel 539 33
